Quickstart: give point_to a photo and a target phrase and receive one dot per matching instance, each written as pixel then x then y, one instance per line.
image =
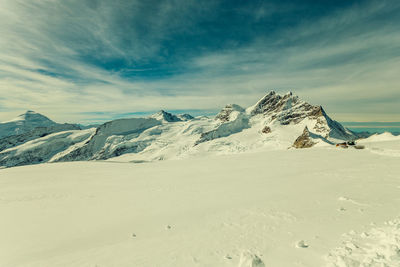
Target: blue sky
pixel 83 60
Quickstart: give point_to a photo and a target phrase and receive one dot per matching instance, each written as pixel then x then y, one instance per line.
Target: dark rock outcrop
pixel 266 130
pixel 185 117
pixel 165 116
pixel 225 114
pixel 289 109
pixel 304 140
pixel 228 128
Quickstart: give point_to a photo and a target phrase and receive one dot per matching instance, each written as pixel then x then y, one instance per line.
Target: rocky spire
pixel 304 140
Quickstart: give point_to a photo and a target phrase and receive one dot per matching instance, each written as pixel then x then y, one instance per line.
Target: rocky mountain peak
pixel 165 116
pixel 228 112
pixel 304 140
pixel 290 109
pixel 273 102
pixel 317 111
pixel 290 93
pixel 306 132
pixel 185 117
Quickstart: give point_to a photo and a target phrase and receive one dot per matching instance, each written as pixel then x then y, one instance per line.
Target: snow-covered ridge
pixel 14 140
pixel 24 123
pixel 165 116
pixel 274 122
pixel 42 149
pixel 108 140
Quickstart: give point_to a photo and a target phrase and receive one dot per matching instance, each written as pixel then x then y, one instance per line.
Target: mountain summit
pixel 24 123
pixel 33 118
pixel 290 109
pixel 164 116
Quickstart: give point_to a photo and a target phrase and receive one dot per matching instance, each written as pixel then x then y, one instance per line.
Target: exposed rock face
pixel 225 129
pixel 166 116
pixel 283 109
pixel 185 117
pixel 229 113
pixel 330 128
pixel 232 119
pixel 289 109
pixel 272 103
pixel 266 130
pixel 304 140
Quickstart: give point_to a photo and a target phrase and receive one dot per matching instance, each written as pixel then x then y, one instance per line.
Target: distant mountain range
pixel 274 122
pixel 374 127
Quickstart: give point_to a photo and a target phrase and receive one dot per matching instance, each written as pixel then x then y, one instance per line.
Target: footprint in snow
pixel 302 244
pixel 349 200
pixel 247 259
pixel 228 257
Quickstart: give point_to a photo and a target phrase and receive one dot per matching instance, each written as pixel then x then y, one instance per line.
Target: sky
pixel 90 60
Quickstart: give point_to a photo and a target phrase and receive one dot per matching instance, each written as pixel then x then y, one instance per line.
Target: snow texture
pixel 313 207
pixel 380 246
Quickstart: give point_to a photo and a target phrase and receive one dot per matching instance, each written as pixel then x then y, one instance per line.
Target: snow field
pixel 269 208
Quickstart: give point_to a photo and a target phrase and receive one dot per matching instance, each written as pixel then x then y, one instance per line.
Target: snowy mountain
pixel 185 117
pixel 24 123
pixel 111 139
pixel 276 111
pixel 289 109
pixel 164 116
pixel 44 149
pixel 18 139
pixel 274 122
pixel 29 126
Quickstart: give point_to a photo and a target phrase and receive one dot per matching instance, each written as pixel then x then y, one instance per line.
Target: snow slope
pixel 44 149
pixel 109 140
pixel 38 132
pixel 24 123
pixel 384 144
pixel 300 207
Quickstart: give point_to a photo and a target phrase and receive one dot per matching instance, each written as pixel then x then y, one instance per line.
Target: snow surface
pixel 383 144
pixel 322 206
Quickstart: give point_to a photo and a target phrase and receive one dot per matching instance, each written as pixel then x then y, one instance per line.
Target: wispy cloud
pixel 74 60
